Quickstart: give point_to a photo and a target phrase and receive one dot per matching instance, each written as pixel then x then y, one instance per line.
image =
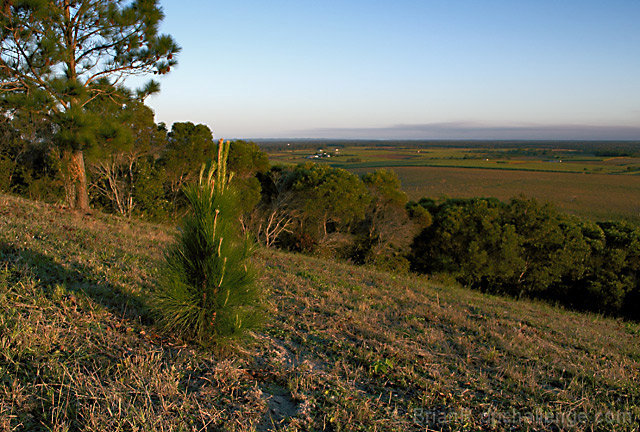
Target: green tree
pixel 612 282
pixel 149 193
pixel 12 148
pixel 551 246
pixel 127 135
pixel 469 240
pixel 387 229
pixel 188 147
pixel 246 161
pixel 519 248
pixel 29 163
pixel 327 196
pixel 385 184
pixel 56 56
pixel 608 280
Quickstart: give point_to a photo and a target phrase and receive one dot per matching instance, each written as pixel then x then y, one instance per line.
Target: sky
pixel 402 69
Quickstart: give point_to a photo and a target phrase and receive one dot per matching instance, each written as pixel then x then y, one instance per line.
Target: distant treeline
pixel 520 248
pixel 597 148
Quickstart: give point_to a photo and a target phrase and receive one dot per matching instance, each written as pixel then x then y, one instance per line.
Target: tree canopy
pixel 56 56
pixel 328 195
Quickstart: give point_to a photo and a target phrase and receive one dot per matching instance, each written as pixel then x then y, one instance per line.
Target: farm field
pixel 519 159
pixel 596 196
pixel 579 182
pixel 343 348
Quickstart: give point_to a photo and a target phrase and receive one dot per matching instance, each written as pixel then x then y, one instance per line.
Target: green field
pixel 597 187
pixel 344 348
pixel 553 160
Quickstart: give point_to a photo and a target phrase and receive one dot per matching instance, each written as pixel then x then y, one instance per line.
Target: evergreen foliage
pixel 387 230
pixel 57 56
pixel 523 248
pixel 328 199
pixel 207 291
pixel 122 156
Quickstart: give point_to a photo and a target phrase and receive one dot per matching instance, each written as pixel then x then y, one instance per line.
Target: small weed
pixel 305 274
pixel 381 366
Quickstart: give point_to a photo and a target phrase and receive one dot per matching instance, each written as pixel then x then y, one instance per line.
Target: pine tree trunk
pixel 82 195
pixel 76 181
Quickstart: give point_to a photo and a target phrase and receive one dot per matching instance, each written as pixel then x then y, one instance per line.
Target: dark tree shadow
pixel 78 278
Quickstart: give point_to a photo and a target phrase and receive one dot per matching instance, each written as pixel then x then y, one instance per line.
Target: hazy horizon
pixel 462 131
pixel 454 69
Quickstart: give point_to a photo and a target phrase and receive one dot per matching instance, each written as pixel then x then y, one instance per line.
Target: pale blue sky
pixel 405 69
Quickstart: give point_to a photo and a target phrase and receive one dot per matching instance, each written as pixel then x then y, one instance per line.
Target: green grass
pixel 345 348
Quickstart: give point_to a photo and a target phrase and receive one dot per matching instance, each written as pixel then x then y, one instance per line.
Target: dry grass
pixel 346 348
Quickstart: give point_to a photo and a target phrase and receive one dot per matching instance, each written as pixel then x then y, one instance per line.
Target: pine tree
pixel 56 56
pixel 207 290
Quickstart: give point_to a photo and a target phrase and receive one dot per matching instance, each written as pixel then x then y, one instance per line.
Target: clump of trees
pixel 523 248
pixel 135 167
pixel 122 155
pixel 327 211
pixel 58 57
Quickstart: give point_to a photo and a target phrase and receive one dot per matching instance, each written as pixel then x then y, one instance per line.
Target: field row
pixel 500 159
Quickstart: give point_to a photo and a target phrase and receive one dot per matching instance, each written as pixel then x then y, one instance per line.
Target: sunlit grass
pixel 346 348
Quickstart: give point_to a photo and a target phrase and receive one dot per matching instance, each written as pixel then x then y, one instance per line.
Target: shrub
pixel 148 192
pixel 207 289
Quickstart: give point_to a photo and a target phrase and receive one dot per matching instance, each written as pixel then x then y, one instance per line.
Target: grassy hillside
pixel 344 348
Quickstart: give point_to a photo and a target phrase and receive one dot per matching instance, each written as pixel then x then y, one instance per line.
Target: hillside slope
pixel 343 347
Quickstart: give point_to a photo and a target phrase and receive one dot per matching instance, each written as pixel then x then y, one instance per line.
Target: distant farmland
pixel 595 180
pixel 597 196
